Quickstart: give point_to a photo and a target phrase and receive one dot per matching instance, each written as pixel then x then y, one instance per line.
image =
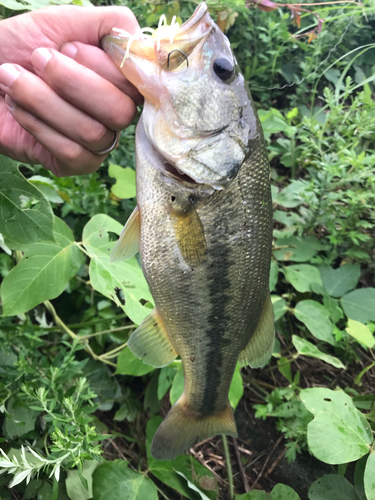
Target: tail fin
pixel 182 428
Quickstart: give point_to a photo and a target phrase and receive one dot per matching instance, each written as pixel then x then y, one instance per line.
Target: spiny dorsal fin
pixel 151 343
pixel 258 351
pixel 190 235
pixel 128 242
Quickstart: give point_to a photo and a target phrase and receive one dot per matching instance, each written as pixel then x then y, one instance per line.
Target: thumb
pixel 82 24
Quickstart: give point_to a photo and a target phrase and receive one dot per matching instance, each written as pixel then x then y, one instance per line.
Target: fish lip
pixel 197 16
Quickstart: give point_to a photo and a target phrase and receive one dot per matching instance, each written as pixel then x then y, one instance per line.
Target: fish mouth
pixel 176 174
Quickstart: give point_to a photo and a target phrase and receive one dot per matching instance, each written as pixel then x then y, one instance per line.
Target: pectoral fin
pixel 128 242
pixel 190 235
pixel 151 343
pixel 258 351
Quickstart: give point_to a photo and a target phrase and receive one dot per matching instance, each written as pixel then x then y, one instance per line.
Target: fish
pixel 203 220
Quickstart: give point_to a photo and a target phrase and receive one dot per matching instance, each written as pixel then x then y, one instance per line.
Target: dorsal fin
pixel 259 350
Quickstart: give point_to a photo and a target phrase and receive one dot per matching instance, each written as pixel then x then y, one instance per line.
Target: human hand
pixel 61 101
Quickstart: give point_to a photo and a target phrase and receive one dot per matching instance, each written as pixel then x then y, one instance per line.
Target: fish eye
pixel 223 68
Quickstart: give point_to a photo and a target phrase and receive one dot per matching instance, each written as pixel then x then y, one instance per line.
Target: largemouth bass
pixel 202 221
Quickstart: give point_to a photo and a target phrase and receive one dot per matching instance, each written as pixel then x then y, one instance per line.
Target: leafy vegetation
pixel 73 398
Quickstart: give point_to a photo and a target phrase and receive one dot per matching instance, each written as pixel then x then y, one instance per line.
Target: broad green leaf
pixel 290 197
pixel 74 486
pixel 177 386
pixel 301 276
pixel 332 487
pixel 125 181
pixel 332 305
pixel 193 487
pixel 297 248
pixel 25 215
pixel 43 273
pixel 359 473
pixel 254 495
pixel 128 364
pixel 115 481
pixel 274 272
pixel 361 333
pixel 21 419
pixel 316 318
pixel 360 304
pixel 339 281
pixel 369 477
pixel 339 432
pixel 306 348
pixel 289 219
pixel 280 306
pixel 236 387
pixel 115 278
pixel 284 492
pixel 169 471
pixel 47 187
pixel 166 377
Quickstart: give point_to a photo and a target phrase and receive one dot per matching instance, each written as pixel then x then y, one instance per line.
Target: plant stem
pixel 127 327
pixel 59 322
pixel 229 466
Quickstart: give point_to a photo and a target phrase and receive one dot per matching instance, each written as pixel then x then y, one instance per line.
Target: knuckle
pixel 96 133
pixel 123 114
pixel 74 154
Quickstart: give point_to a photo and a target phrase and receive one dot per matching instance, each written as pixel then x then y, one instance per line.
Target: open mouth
pixel 176 174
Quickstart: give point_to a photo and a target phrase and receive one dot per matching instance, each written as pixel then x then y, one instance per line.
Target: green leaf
pixel 283 492
pixel 274 273
pixel 165 381
pixel 254 495
pixel 332 487
pixel 369 477
pixel 43 273
pixel 193 487
pixel 316 318
pixel 169 472
pixel 297 248
pixel 125 181
pixel 236 387
pixel 339 281
pixel 280 306
pixel 74 486
pixel 290 197
pixel 25 215
pixel 301 276
pixel 359 304
pixel 115 481
pixel 116 278
pixel 21 419
pixel 306 348
pixel 128 364
pixel 361 333
pixel 359 477
pixel 339 432
pixel 177 386
pixel 332 305
pixel 47 187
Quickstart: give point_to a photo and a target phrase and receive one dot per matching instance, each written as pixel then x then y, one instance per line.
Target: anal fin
pixel 128 242
pixel 151 343
pixel 259 350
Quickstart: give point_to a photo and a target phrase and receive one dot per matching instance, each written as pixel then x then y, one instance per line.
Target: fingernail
pixel 40 58
pixel 10 103
pixel 69 49
pixel 8 73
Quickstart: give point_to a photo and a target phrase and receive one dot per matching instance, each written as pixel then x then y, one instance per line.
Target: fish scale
pixel 204 223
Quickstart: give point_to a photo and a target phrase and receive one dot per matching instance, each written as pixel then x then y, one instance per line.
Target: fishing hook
pixel 182 53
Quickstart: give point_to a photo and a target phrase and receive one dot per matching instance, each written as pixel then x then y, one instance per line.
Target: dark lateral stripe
pixel 218 286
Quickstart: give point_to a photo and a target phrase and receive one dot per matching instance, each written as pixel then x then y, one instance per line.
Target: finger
pixel 84 88
pixel 98 61
pixel 35 96
pixel 67 157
